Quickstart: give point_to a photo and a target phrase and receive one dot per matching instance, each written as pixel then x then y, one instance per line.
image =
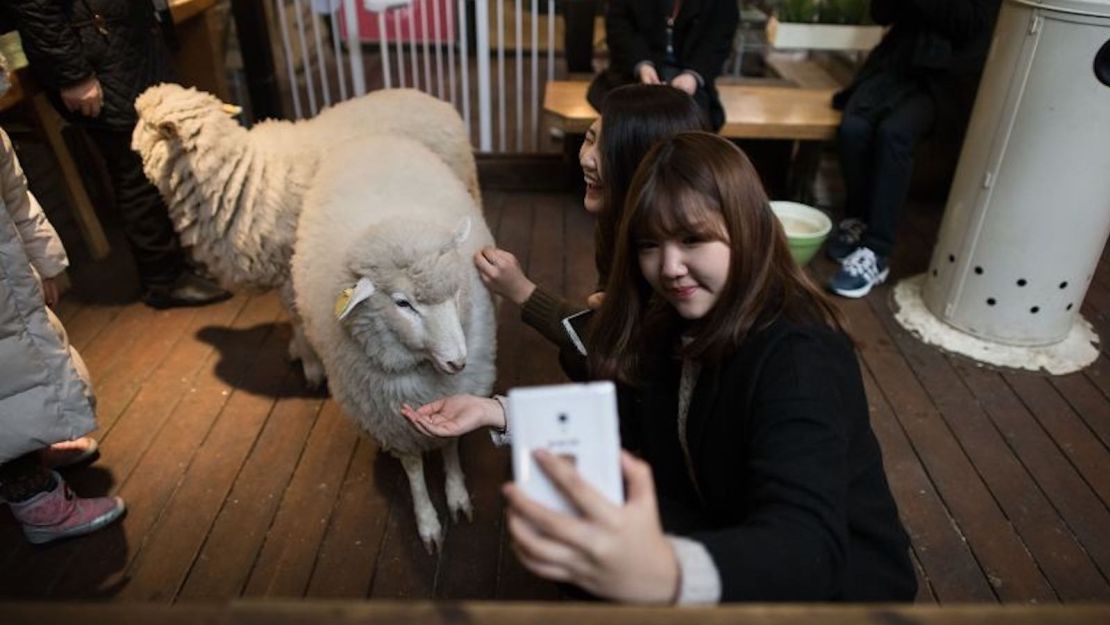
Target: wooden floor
pixel 239 483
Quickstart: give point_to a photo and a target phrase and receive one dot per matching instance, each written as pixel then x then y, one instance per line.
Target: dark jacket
pixel 65 43
pixel 938 46
pixel 791 501
pixel 635 31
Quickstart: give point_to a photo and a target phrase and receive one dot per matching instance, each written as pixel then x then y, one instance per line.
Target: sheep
pixel 235 195
pixel 392 302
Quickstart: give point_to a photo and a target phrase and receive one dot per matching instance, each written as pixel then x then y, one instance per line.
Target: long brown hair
pixel 696 183
pixel 633 118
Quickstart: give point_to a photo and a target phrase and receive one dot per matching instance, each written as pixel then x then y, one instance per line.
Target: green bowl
pixel 806 228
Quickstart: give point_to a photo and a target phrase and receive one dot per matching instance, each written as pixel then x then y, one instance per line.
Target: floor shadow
pixel 243 351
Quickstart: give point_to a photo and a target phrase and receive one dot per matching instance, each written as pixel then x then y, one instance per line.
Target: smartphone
pixel 575 421
pixel 575 327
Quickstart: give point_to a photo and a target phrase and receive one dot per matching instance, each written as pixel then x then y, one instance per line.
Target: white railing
pixel 435 34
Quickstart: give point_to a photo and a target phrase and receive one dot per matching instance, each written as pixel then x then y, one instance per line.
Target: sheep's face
pixel 170 120
pixel 410 289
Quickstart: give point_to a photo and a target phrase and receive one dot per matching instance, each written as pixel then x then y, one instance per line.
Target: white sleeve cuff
pixel 701 582
pixel 501 438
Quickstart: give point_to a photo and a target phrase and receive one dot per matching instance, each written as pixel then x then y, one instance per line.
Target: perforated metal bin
pixel 1029 210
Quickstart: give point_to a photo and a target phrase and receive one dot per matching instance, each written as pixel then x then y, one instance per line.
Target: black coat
pixel 65 45
pixel 635 31
pixel 792 501
pixel 938 46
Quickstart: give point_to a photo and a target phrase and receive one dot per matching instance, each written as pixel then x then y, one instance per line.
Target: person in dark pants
pixel 93 58
pixel 921 76
pixel 683 43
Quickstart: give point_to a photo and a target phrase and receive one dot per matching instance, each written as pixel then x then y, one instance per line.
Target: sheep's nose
pixel 455 366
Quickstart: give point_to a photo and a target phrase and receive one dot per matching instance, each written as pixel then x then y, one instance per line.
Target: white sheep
pixel 392 302
pixel 235 195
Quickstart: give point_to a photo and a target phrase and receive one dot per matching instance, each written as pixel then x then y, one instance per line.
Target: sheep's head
pixel 408 290
pixel 171 118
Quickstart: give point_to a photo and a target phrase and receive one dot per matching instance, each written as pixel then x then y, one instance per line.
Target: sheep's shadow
pixel 255 360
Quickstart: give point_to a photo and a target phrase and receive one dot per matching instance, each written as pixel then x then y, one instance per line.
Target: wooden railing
pixel 480 613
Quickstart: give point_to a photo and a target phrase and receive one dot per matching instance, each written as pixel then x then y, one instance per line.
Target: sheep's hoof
pixel 465 507
pixel 458 500
pixel 431 534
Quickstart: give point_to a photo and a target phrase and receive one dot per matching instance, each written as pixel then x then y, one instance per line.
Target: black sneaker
pixel 188 290
pixel 845 239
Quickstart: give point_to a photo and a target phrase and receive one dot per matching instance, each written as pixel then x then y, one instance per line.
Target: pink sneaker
pixel 58 513
pixel 67 453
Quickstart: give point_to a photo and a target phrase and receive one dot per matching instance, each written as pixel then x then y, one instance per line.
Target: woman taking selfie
pixel 758 477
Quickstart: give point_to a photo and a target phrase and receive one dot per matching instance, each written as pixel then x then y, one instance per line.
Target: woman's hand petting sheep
pixel 616 552
pixel 455 415
pixel 501 273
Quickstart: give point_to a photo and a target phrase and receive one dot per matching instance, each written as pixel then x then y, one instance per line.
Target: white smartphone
pixel 575 327
pixel 575 421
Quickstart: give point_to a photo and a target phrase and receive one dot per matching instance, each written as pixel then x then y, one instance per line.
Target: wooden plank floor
pixel 240 483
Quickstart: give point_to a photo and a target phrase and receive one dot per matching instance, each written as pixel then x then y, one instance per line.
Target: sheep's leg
pixel 427 521
pixel 458 499
pixel 299 347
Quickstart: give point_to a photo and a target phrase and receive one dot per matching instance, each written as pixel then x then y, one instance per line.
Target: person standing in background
pixel 93 58
pixel 683 43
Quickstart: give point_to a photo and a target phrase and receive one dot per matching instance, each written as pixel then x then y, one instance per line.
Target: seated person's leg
pixel 855 142
pixel 895 139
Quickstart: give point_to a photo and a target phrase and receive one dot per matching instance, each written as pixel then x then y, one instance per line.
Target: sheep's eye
pixel 403 303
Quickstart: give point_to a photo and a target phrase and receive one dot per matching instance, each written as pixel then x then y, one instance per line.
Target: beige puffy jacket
pixel 45 396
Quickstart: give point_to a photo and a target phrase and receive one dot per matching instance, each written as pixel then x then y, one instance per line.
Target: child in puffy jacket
pixel 46 401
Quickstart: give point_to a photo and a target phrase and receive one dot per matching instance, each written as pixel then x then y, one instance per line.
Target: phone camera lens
pixel 563 417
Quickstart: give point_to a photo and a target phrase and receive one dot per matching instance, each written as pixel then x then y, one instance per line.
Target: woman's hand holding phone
pixel 613 551
pixel 455 415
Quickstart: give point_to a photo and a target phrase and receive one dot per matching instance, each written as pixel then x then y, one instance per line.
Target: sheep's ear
pixel 231 109
pixel 461 232
pixel 351 296
pixel 168 130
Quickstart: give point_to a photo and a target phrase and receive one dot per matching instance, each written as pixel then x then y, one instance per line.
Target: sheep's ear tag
pixel 232 110
pixel 351 296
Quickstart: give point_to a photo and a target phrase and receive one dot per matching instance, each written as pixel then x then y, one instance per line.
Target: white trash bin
pixel 1029 210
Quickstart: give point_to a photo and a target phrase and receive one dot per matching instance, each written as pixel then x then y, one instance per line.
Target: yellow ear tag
pixel 342 300
pixel 351 296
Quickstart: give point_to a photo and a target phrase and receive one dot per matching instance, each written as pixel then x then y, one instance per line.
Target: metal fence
pixel 456 50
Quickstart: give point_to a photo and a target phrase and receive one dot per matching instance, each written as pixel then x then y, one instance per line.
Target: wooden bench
pixel 751 111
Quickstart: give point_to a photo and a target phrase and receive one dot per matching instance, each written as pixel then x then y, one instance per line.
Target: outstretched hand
pixel 501 273
pixel 613 551
pixel 455 415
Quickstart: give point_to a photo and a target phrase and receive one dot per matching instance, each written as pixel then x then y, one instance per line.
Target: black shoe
pixel 188 290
